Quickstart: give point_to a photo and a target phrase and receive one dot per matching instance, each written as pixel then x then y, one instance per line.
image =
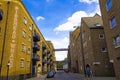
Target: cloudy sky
pixel 56 18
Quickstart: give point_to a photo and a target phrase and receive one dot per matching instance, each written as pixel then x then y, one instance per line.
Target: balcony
pixel 43 47
pixel 48 51
pixel 36 47
pixel 51 60
pixel 36 37
pixel 36 57
pixel 44 61
pixel 1 14
pixel 44 54
pixel 48 57
pixel 48 63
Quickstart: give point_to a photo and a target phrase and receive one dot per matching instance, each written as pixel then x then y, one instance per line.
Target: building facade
pixel 74 50
pixel 21 42
pixel 94 46
pixel 110 14
pixel 88 46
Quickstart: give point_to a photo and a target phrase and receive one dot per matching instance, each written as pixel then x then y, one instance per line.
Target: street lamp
pixel 8 69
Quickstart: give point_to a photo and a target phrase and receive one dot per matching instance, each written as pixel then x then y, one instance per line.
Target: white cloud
pixel 89 1
pixel 74 20
pixel 61 55
pixel 38 18
pixel 61 43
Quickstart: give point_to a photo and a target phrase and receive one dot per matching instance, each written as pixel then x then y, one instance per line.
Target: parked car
pixel 50 74
pixel 66 70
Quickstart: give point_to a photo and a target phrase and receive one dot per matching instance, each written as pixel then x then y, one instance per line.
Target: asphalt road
pixel 61 75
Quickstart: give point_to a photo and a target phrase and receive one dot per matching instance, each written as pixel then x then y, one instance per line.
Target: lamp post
pixel 8 69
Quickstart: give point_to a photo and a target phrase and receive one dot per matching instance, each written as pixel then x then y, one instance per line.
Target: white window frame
pixel 113 26
pixel 117 44
pixel 21 63
pixel 108 5
pixel 25 21
pixel 23 33
pixel 30 28
pixel 23 48
pixel 98 25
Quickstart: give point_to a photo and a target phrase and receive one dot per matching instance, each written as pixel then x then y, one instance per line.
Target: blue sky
pixel 56 18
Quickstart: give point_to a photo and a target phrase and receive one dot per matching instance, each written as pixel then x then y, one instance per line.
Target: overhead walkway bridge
pixel 61 49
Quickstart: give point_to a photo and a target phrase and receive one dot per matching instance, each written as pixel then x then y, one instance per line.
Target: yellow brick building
pixel 51 59
pixel 21 42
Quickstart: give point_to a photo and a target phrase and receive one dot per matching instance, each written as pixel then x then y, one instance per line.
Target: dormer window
pixel 1 14
pixel 98 25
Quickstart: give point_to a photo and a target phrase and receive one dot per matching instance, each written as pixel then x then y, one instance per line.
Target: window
pixel 84 44
pixel 98 25
pixel 29 50
pixel 25 21
pixel 23 48
pixel 23 33
pixel 101 36
pixel 113 22
pixel 83 34
pixel 117 41
pixel 21 63
pixel 104 49
pixel 28 63
pixel 29 38
pixel 108 4
pixel 89 38
pixel 30 28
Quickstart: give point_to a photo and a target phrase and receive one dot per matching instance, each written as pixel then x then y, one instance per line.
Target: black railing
pixel 36 37
pixel 48 52
pixel 36 47
pixel 44 54
pixel 48 63
pixel 36 57
pixel 43 47
pixel 44 61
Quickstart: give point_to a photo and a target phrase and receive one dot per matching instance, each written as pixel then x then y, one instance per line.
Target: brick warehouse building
pixel 21 42
pixel 90 47
pixel 110 10
pixel 94 46
pixel 75 56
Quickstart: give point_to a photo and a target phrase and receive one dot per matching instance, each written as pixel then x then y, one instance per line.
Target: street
pixel 61 75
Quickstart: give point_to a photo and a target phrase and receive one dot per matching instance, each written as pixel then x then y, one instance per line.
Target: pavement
pixel 99 78
pixel 38 77
pixel 43 77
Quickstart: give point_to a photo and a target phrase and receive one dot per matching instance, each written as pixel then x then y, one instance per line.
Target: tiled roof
pixel 92 21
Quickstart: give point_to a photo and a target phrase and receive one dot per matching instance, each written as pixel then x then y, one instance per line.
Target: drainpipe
pixel 3 47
